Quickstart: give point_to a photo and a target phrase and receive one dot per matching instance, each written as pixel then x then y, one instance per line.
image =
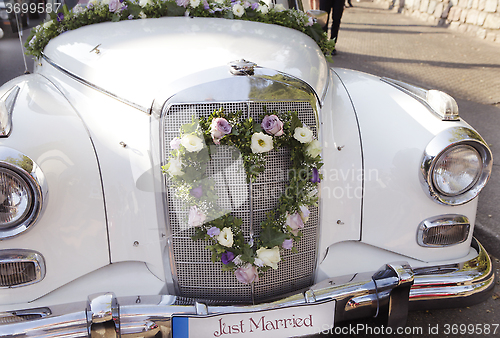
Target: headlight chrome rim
pixel 446 142
pixel 17 164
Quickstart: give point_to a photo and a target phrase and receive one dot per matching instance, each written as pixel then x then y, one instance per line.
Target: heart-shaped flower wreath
pixel 187 166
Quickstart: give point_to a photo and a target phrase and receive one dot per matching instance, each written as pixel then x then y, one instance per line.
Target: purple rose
pixel 315 176
pixel 272 125
pixel 227 257
pixel 60 17
pixel 255 5
pixel 247 274
pixel 114 5
pixel 294 222
pixel 197 192
pixel 213 231
pixel 287 244
pixel 219 128
pixel 206 5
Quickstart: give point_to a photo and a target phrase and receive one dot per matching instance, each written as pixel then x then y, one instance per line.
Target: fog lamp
pixel 444 230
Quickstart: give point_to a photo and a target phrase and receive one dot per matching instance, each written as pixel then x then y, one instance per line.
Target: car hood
pixel 135 59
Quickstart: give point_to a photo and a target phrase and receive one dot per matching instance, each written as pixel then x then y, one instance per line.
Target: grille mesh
pixel 196 275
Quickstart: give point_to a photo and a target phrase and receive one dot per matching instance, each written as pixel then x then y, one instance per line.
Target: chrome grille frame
pixel 193 272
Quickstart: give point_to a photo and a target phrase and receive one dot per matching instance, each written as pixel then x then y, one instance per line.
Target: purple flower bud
pixel 213 231
pixel 315 176
pixel 60 17
pixel 197 192
pixel 227 257
pixel 287 244
pixel 255 5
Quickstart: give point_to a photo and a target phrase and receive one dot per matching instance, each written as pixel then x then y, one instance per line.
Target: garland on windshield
pixel 98 11
pixel 188 160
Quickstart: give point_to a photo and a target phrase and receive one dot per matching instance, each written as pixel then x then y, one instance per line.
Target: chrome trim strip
pixel 441 220
pixel 29 171
pixel 93 86
pixel 20 256
pixel 6 106
pixel 437 146
pixel 459 284
pixel 419 94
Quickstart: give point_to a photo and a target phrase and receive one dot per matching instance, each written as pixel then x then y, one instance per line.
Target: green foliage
pixel 275 229
pixel 97 12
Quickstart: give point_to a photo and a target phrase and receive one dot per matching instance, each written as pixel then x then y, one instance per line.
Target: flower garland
pixel 188 162
pixel 98 11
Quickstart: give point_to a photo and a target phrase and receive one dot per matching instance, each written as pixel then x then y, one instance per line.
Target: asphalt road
pixel 459 322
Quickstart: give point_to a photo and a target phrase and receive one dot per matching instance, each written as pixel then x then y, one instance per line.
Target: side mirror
pixel 320 16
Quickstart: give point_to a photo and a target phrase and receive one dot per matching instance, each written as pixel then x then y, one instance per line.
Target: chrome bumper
pixel 390 292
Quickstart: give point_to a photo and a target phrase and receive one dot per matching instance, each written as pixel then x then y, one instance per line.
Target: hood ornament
pixel 242 67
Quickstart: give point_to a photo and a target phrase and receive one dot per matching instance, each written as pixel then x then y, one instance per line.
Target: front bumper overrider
pixel 390 292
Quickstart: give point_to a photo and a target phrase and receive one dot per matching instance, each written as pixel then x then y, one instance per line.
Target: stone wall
pixel 479 18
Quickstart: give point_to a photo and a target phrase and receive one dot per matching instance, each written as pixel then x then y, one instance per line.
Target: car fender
pixel 70 233
pixel 395 129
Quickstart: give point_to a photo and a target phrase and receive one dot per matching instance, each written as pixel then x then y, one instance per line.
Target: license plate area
pixel 285 322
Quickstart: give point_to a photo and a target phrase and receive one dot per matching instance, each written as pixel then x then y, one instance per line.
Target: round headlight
pixel 457 170
pixel 455 166
pixel 16 198
pixel 23 191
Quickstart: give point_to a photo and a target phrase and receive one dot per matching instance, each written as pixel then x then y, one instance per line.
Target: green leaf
pixel 271 237
pixel 295 123
pixel 247 254
pixel 134 9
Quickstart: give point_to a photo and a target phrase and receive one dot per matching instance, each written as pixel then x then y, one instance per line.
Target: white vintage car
pixel 197 169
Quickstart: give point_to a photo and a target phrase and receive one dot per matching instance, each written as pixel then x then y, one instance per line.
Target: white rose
pixel 261 143
pixel 192 143
pixel 304 213
pixel 279 8
pixel 196 217
pixel 48 24
pixel 263 9
pixel 238 10
pixel 143 3
pixel 194 3
pixel 225 237
pixel 219 1
pixel 175 167
pixel 303 134
pixel 270 257
pixel 314 148
pixel 104 2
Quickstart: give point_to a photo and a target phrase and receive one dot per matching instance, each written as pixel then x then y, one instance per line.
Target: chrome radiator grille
pixel 196 276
